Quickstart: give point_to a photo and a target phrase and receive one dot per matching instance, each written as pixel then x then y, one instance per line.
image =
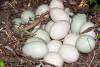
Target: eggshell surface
pixel 54 45
pixel 34 49
pixel 58 14
pixel 27 16
pixel 69 53
pixel 32 39
pixel 85 43
pixel 59 30
pixel 71 39
pixel 43 35
pixel 77 22
pixel 54 58
pixel 49 26
pixel 42 9
pixel 56 4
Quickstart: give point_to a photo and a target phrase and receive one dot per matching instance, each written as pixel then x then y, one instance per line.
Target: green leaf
pixel 93 1
pixel 2 63
pixel 98 36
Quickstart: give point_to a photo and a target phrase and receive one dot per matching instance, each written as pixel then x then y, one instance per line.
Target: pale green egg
pixel 27 16
pixel 17 21
pixel 35 49
pixel 77 21
pixel 42 34
pixel 85 43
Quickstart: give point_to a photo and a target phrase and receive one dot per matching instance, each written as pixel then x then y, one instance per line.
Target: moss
pixel 2 63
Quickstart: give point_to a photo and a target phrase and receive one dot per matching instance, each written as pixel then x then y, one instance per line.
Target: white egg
pixel 43 35
pixel 67 10
pixel 85 43
pixel 54 45
pixel 59 14
pixel 27 16
pixel 86 26
pixel 78 21
pixel 54 58
pixel 49 25
pixel 32 39
pixel 69 53
pixel 59 30
pixel 71 39
pixel 57 4
pixel 34 49
pixel 42 9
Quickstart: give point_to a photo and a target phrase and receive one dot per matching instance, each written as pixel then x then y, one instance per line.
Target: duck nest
pixel 12 39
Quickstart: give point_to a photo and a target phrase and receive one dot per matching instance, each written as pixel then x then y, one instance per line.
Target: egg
pixel 43 35
pixel 49 25
pixel 54 58
pixel 32 39
pixel 77 22
pixel 17 21
pixel 56 4
pixel 85 43
pixel 59 30
pixel 71 39
pixel 86 26
pixel 58 14
pixel 69 53
pixel 42 9
pixel 27 16
pixel 34 49
pixel 54 45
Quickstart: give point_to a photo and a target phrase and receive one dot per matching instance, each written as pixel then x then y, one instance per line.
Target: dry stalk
pixel 92 59
pixel 35 23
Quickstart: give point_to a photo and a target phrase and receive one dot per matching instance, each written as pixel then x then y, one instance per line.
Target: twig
pixel 29 3
pixel 36 22
pixel 92 59
pixel 1 29
pixel 97 64
pixel 13 7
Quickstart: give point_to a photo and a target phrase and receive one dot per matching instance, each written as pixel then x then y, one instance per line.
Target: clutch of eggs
pixel 59 40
